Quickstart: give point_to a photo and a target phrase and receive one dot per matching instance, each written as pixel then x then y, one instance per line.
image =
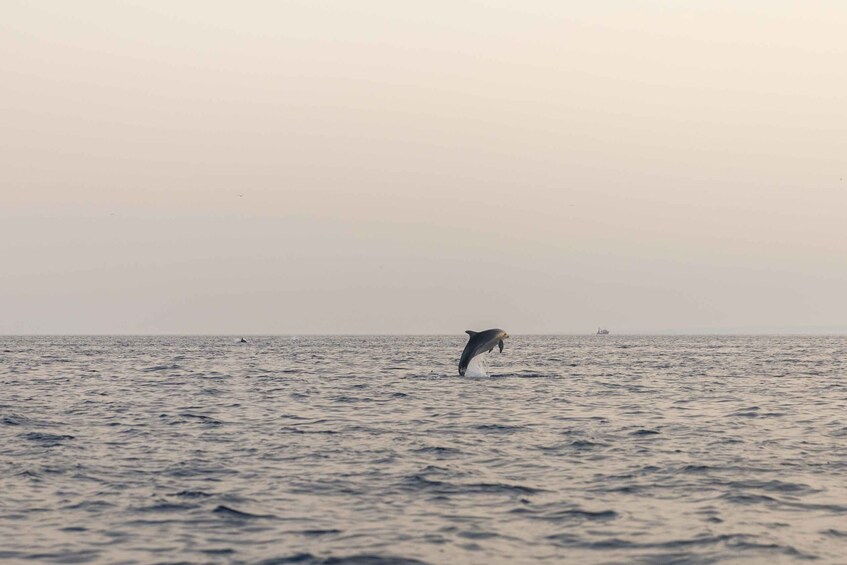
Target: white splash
pixel 478 367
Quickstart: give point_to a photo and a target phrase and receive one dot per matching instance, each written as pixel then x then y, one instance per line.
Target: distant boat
pixel 602 331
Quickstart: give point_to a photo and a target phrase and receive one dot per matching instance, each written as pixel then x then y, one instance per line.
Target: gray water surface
pixel 373 450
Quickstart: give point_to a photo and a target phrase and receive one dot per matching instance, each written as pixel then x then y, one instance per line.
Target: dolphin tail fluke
pixel 501 346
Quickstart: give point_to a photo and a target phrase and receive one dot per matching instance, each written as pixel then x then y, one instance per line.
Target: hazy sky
pixel 423 167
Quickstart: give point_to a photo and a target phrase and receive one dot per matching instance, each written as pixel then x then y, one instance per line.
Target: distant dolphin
pixel 480 342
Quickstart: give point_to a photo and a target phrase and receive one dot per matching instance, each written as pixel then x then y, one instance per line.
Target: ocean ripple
pixel 371 450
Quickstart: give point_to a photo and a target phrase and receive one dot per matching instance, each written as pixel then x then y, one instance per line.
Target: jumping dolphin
pixel 480 342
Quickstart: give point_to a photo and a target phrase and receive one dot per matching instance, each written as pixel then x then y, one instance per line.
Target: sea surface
pixel 372 450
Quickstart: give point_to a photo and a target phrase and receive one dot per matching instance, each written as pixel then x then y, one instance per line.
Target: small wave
pixel 501 428
pixel 747 499
pixel 233 513
pixel 419 481
pixel 316 533
pixel 478 535
pixel 94 506
pixel 165 507
pixel 345 399
pixel 644 432
pixel 297 430
pixel 771 548
pixel 735 540
pixel 191 470
pixel 159 368
pixel 503 487
pixel 81 556
pixel 750 412
pixel 548 514
pixel 208 420
pixel 696 469
pixel 363 559
pixel 48 440
pixel 832 508
pixel 220 551
pixel 14 420
pixel 438 450
pixel 296 558
pixel 192 494
pixel 600 515
pixel 585 444
pixel 772 486
pixel 525 375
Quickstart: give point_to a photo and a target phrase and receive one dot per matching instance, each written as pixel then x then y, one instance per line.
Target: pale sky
pixel 295 167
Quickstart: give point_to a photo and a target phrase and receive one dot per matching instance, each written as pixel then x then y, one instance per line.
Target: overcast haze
pixel 429 167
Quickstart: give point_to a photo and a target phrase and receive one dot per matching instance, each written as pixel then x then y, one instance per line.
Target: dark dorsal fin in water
pixel 471 333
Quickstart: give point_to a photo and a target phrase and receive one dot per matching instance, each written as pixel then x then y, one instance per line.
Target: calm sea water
pixel 373 450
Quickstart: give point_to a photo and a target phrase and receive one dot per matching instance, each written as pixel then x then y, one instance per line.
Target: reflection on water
pixel 373 449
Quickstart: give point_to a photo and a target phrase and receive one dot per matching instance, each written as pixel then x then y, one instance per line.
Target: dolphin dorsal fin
pixel 471 333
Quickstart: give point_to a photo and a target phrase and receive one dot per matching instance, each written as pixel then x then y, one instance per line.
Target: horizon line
pixel 726 333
